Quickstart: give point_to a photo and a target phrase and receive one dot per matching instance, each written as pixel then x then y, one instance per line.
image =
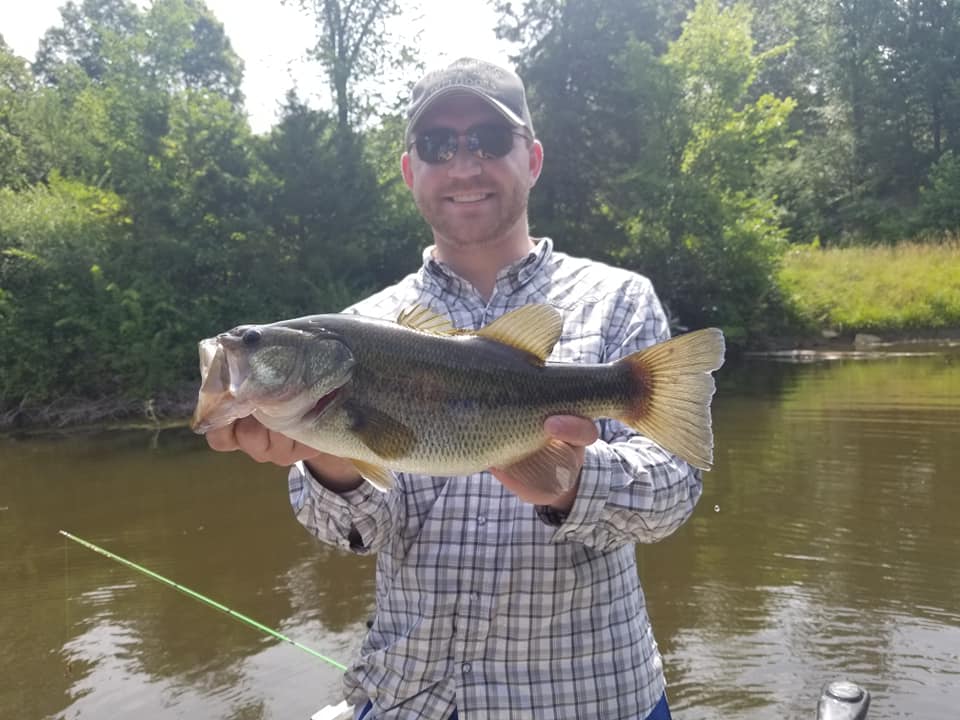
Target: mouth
pixel 468 198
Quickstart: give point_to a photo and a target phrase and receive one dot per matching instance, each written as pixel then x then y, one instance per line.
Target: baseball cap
pixel 499 87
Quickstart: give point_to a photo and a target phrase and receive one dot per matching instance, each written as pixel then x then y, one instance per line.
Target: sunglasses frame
pixel 469 136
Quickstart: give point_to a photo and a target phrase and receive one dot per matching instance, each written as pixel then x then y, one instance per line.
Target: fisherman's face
pixel 467 200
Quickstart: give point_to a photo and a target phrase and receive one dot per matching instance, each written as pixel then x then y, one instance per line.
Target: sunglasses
pixel 487 141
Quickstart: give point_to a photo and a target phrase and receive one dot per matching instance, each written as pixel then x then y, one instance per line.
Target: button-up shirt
pixel 485 603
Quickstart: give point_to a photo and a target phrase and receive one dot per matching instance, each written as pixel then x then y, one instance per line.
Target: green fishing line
pixel 202 598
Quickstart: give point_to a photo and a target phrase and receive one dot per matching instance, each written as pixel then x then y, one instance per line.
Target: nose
pixel 464 164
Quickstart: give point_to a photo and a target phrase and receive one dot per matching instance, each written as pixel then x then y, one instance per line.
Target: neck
pixel 479 264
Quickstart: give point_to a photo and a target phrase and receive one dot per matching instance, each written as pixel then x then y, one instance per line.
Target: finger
pixel 279 449
pixel 253 438
pixel 222 439
pixel 571 429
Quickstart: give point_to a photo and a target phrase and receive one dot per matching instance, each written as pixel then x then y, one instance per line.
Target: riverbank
pixel 170 409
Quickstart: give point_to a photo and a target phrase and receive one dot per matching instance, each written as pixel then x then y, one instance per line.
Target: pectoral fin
pixel 552 469
pixel 384 434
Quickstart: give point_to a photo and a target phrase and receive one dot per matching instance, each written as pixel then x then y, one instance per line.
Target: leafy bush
pixel 52 240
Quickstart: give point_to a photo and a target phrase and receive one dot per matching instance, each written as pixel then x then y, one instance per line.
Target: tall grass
pixel 910 286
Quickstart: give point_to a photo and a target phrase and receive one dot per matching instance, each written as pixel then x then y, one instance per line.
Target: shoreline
pixel 68 415
pixel 173 409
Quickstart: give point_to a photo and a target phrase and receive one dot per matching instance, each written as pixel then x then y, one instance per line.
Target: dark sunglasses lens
pixel 490 141
pixel 437 146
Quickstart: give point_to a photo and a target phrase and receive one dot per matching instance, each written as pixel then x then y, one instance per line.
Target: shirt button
pixel 466 667
pixel 481 519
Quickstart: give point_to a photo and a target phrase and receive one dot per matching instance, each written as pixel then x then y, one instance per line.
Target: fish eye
pixel 251 336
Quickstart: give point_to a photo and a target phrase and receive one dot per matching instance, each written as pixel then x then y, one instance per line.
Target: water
pixel 826 545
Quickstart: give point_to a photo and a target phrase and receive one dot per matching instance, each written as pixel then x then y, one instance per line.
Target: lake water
pixel 826 545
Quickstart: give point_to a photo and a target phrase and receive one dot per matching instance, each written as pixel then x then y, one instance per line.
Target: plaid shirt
pixel 490 605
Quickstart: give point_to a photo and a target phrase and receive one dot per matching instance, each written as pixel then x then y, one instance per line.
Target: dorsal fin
pixel 533 328
pixel 419 317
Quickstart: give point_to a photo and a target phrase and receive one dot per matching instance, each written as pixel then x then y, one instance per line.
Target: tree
pixel 704 228
pixel 577 93
pixel 90 36
pixel 324 209
pixel 657 146
pixel 16 90
pixel 353 45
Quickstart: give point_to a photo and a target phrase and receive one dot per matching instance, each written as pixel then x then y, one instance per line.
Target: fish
pixel 418 395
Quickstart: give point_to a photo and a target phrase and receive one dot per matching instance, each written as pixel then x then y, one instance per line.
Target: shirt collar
pixel 513 275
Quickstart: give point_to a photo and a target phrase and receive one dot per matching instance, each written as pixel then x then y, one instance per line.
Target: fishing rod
pixel 202 598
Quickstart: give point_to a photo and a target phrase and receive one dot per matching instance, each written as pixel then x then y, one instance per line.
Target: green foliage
pixel 25 154
pixel 702 227
pixel 399 232
pixel 910 286
pixel 177 222
pixel 585 112
pixel 879 105
pixel 940 198
pixel 51 241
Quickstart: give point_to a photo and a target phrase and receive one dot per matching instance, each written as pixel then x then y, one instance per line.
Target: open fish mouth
pixel 216 406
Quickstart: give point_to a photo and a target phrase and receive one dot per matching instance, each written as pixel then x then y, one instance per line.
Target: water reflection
pixel 85 636
pixel 832 547
pixel 825 545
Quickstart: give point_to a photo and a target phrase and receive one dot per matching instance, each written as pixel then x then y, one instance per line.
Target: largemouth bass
pixel 418 395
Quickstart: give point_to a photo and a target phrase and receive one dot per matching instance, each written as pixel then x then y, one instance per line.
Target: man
pixel 494 600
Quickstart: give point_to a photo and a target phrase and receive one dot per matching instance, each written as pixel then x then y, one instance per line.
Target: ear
pixel 406 170
pixel 536 161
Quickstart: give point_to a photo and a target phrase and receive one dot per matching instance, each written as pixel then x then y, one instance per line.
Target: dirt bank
pixel 171 408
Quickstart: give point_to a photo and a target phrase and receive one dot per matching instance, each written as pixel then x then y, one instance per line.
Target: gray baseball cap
pixel 502 89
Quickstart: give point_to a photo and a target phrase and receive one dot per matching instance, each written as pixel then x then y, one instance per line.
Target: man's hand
pixel 577 432
pixel 263 445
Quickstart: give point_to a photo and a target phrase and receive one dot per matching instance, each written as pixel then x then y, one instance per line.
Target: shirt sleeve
pixel 631 490
pixel 357 521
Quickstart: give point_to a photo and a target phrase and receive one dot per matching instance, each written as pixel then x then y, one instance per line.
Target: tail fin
pixel 671 389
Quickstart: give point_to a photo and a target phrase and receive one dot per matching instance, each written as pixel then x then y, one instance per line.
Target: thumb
pixel 571 429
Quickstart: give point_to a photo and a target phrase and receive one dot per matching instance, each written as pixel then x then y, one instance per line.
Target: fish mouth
pixel 216 404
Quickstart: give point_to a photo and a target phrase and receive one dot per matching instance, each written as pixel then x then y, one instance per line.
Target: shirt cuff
pixel 335 517
pixel 592 495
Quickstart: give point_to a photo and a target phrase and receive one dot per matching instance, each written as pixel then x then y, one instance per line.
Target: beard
pixel 492 225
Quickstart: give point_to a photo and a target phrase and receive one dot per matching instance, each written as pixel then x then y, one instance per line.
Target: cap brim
pixel 455 90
